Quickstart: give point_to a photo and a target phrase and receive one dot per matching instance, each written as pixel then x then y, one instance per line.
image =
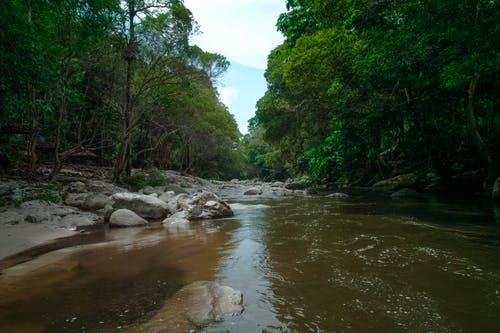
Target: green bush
pixel 136 181
pixel 156 178
pixel 142 179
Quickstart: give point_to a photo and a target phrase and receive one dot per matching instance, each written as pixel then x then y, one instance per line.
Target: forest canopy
pixel 358 91
pixel 364 90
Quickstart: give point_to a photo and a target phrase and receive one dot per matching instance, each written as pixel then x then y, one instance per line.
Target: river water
pixel 315 264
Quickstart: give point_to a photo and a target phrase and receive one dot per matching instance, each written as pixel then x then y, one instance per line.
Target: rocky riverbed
pixel 41 212
pixel 38 216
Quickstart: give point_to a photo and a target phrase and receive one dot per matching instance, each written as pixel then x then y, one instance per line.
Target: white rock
pixel 126 218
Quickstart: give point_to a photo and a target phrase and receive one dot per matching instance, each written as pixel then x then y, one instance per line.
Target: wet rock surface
pixel 193 307
pixel 59 209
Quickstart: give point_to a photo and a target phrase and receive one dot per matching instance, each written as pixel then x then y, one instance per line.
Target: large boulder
pixel 146 206
pixel 392 184
pixel 495 194
pixel 95 201
pixel 126 218
pixel 204 205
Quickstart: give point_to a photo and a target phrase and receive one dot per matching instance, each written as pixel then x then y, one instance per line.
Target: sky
pixel 244 31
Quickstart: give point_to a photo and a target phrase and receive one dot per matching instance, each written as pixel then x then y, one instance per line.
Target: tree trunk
pixel 122 165
pixel 61 111
pixel 33 159
pixel 481 148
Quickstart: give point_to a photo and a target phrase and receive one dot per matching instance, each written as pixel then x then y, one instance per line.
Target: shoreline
pixel 22 237
pixel 23 229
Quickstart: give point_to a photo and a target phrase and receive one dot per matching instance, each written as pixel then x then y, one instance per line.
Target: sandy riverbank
pixel 23 236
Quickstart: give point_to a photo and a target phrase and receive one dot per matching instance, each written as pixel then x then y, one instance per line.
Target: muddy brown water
pixel 366 264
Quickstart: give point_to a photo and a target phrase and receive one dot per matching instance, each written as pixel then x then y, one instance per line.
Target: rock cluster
pixel 237 188
pixel 95 201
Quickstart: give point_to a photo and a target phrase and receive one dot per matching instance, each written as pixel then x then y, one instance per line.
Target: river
pixel 314 264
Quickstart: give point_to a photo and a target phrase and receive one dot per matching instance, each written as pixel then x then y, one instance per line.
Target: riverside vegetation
pixel 399 96
pixel 358 92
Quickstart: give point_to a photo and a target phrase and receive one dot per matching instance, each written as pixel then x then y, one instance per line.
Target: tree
pixel 370 89
pixel 137 11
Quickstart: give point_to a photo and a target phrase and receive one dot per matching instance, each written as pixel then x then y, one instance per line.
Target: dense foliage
pixel 369 89
pixel 118 78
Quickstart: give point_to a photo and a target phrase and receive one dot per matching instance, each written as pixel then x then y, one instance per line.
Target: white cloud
pixel 228 95
pixel 242 30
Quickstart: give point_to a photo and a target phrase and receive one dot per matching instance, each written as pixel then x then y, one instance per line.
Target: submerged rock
pixel 126 218
pixel 210 302
pixel 193 307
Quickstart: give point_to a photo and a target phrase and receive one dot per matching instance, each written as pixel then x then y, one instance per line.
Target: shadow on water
pixel 106 303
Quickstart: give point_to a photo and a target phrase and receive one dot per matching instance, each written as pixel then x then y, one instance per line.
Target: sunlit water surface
pixel 317 264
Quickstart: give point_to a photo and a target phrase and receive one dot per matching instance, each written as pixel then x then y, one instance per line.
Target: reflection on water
pixel 107 285
pixel 303 264
pixel 365 265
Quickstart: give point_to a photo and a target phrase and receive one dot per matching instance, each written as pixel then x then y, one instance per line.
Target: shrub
pixel 142 179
